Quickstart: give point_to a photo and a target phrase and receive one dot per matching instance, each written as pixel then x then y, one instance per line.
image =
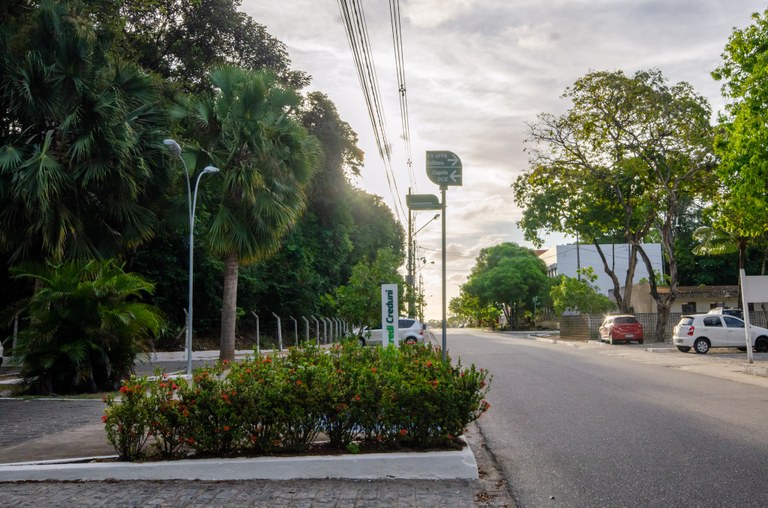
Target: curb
pixel 446 465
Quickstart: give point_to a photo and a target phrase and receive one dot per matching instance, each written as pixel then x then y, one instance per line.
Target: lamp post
pixel 412 266
pixel 175 149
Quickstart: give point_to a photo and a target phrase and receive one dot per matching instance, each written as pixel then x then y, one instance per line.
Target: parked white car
pixel 410 330
pixel 704 331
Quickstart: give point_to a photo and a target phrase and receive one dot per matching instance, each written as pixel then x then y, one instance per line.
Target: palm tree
pixel 247 128
pixel 77 137
pixel 85 328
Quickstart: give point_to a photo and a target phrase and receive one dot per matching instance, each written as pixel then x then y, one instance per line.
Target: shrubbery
pixel 380 398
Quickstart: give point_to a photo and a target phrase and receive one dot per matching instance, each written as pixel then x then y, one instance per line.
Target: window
pixel 712 321
pixel 689 308
pixel 732 322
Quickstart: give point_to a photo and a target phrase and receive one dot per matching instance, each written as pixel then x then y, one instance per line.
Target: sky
pixel 477 73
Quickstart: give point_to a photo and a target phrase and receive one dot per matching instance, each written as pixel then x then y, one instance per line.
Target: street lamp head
pixel 210 169
pixel 437 216
pixel 173 146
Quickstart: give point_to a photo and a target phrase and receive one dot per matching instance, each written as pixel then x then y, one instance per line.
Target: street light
pixel 411 264
pixel 175 149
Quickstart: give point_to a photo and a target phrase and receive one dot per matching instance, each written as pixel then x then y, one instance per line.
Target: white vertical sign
pixel 389 315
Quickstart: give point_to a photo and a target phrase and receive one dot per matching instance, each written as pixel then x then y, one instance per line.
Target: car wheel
pixel 640 341
pixel 361 341
pixel 701 346
pixel 683 349
pixel 761 345
pixel 410 340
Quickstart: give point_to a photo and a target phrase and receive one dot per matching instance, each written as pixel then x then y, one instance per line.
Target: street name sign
pixel 444 168
pixel 422 202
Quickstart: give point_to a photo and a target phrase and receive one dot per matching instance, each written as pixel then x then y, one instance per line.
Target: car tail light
pixel 690 331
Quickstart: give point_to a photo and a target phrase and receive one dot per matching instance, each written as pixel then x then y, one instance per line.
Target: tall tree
pixel 79 164
pixel 639 149
pixel 248 129
pixel 184 41
pixel 508 277
pixel 741 212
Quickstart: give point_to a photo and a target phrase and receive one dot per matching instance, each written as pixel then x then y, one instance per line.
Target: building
pixel 690 299
pixel 568 259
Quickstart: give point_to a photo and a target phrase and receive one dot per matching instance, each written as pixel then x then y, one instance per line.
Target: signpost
pixel 444 169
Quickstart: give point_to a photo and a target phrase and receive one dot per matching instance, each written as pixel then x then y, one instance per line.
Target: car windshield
pixel 405 323
pixel 625 320
pixel 686 321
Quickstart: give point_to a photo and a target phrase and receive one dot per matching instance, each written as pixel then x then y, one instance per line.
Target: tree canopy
pixel 639 148
pixel 508 276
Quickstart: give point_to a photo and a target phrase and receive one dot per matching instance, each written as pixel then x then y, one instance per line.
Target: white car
pixel 410 330
pixel 704 331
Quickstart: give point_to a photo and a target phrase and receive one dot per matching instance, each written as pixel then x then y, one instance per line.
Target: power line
pixel 357 35
pixel 397 43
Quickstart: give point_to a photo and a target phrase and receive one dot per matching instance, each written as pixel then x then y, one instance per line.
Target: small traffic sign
pixel 444 168
pixel 422 202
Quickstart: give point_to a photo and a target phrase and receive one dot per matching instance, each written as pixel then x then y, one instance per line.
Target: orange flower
pixel 403 432
pixel 104 419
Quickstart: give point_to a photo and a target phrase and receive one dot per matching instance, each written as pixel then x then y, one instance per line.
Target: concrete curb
pixel 441 465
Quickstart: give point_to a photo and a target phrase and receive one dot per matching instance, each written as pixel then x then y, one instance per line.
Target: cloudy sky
pixel 476 72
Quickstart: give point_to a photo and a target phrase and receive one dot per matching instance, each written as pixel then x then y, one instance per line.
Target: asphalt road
pixel 574 428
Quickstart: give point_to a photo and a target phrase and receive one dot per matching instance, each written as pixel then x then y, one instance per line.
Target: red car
pixel 623 327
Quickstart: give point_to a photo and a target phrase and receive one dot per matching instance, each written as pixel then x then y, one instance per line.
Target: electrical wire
pixel 353 17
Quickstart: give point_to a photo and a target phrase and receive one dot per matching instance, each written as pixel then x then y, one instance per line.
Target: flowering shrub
pixel 381 397
pixel 126 423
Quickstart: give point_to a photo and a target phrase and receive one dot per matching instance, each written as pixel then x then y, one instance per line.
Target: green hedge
pixel 380 398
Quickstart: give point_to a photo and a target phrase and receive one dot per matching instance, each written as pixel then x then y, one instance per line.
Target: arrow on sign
pixel 455 176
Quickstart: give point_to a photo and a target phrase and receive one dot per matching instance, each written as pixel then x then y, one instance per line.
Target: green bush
pixel 85 326
pixel 384 398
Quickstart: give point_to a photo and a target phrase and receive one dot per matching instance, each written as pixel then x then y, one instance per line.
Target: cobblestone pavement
pixel 290 493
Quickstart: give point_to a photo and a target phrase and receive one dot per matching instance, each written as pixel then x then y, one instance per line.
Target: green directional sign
pixel 444 168
pixel 422 202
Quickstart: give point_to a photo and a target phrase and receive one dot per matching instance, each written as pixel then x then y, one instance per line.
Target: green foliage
pixel 380 398
pixel 580 294
pixel 507 276
pixel 640 150
pixel 127 422
pixel 359 301
pixel 79 172
pixel 85 326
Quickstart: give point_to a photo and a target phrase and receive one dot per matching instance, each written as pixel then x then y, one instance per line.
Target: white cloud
pixel 476 72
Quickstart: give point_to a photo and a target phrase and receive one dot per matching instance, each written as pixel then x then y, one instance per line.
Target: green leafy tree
pixel 507 276
pixel 640 150
pixel 359 301
pixel 741 210
pixel 248 129
pixel 78 141
pixel 86 327
pixel 580 294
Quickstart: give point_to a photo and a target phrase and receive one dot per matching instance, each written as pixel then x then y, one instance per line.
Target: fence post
pixel 279 333
pixel 307 328
pixel 317 330
pixel 258 340
pixel 295 329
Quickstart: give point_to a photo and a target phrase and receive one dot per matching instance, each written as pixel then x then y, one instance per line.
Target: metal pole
pixel 295 329
pixel 258 343
pixel 279 333
pixel 317 330
pixel 445 342
pixel 306 321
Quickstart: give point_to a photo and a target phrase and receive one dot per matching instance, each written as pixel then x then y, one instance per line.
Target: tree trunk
pixel 229 308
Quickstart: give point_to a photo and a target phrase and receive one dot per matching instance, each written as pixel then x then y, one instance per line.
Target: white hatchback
pixel 704 331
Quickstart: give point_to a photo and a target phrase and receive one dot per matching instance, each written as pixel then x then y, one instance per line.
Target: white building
pixel 567 259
